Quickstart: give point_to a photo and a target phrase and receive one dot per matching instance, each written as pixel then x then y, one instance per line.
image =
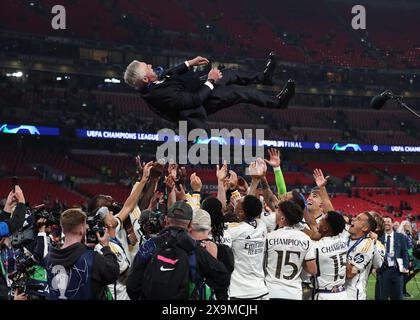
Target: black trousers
pixel 232 89
pixel 391 283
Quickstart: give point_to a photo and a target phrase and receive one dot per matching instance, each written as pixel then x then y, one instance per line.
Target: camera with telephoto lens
pixel 22 278
pixel 52 217
pixel 95 224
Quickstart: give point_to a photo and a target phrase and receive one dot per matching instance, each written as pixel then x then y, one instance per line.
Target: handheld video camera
pixel 95 224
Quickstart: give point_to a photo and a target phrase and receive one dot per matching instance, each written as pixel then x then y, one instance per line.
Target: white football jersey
pixel 360 257
pixel 269 220
pixel 287 249
pixel 378 255
pixel 121 235
pixel 118 289
pixel 331 256
pixel 225 239
pixel 303 225
pixel 306 277
pixel 248 246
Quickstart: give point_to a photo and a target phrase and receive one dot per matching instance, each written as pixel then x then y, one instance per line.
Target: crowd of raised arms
pixel 168 241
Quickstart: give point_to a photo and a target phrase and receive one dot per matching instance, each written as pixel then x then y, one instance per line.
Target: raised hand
pixel 215 74
pixel 233 179
pixel 319 178
pixel 261 164
pixel 19 194
pixel 195 182
pixel 170 183
pixel 198 61
pixel 180 194
pixel 10 202
pixel 146 170
pixel 139 166
pixel 104 240
pixel 172 170
pixel 221 173
pixel 274 157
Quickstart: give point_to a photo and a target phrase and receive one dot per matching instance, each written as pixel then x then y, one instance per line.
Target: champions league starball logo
pixel 346 147
pixel 32 130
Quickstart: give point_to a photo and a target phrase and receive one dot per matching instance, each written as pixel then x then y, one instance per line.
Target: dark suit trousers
pixel 232 89
pixel 391 284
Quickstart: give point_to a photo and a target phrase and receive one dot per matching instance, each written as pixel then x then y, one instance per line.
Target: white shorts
pixel 331 296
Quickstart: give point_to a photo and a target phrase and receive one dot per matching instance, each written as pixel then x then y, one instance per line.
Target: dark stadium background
pixel 56 78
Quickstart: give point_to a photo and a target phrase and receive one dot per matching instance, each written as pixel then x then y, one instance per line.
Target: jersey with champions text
pixel 248 245
pixel 360 256
pixel 287 249
pixel 225 239
pixel 331 255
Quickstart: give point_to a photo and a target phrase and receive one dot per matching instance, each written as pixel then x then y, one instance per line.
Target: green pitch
pixel 413 288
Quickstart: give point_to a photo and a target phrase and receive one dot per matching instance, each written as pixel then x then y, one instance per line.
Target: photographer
pixel 117 222
pixel 8 225
pixel 76 272
pixel 167 265
pixel 118 288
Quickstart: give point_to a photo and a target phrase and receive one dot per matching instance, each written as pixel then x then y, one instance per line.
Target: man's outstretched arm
pixel 184 67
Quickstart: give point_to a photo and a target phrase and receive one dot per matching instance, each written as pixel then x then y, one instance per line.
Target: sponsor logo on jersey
pixel 359 258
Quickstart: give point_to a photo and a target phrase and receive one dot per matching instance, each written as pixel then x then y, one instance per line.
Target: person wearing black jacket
pixel 177 94
pixel 178 220
pixel 201 226
pixel 76 272
pixel 9 224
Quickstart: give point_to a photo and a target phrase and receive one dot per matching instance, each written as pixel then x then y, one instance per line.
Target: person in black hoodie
pixel 175 236
pixel 76 272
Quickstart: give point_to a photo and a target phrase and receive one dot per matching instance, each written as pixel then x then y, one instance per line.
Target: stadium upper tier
pixel 305 31
pixel 100 110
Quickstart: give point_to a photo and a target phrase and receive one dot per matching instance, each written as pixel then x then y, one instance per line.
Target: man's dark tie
pixel 388 248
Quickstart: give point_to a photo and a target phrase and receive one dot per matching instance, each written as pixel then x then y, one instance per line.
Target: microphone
pixel 379 101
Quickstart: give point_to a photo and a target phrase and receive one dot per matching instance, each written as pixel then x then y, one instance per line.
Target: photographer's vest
pixel 71 283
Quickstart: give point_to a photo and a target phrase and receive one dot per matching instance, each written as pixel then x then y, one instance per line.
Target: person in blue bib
pixel 75 271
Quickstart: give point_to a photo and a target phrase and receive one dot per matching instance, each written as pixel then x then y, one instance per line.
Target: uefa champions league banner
pixel 345 147
pixel 29 130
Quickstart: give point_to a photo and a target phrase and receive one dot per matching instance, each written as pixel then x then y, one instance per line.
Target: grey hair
pixel 133 74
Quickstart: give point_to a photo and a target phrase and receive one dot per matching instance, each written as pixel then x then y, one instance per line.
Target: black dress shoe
pixel 269 69
pixel 286 94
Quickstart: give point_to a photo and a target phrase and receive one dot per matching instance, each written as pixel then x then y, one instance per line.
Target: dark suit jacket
pixel 179 97
pixel 400 248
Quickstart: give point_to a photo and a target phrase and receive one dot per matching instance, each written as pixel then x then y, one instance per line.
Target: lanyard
pixel 355 244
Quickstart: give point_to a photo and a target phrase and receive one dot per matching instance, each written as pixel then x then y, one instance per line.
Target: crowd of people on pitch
pixel 168 241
